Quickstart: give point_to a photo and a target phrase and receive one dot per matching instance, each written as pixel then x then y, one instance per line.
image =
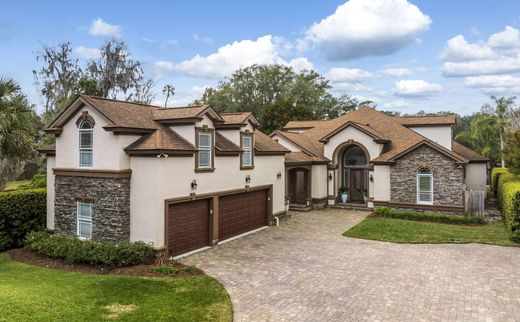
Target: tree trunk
pixel 166 102
pixel 502 151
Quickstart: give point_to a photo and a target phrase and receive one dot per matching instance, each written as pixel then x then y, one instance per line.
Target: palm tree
pixel 168 90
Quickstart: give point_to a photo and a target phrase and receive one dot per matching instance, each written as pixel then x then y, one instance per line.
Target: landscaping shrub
pixel 38 181
pixel 74 250
pixel 495 174
pixel 510 203
pixel 21 211
pixel 503 178
pixel 418 216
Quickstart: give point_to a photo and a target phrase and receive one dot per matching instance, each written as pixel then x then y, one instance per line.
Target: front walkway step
pixel 299 208
pixel 351 206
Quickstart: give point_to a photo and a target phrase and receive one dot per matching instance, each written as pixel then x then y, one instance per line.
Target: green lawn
pixel 414 232
pixel 13 185
pixel 31 293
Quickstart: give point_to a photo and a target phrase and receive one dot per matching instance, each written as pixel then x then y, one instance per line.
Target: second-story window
pixel 85 144
pixel 205 157
pixel 247 148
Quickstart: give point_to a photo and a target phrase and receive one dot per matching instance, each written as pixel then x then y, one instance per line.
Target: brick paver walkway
pixel 305 270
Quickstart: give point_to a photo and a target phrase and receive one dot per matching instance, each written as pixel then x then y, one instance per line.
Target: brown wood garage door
pixel 188 226
pixel 241 212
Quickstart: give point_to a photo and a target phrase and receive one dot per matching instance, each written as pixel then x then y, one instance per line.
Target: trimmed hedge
pixel 495 174
pixel 21 211
pixel 508 199
pixel 418 216
pixel 74 250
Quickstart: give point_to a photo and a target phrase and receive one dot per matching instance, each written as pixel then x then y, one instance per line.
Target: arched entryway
pixel 354 161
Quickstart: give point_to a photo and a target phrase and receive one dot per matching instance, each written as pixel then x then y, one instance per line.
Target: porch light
pixel 371 178
pixel 194 185
pixel 279 175
pixel 330 176
pixel 248 179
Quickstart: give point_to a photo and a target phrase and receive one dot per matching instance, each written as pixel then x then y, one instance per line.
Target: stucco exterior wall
pixel 447 178
pixel 186 131
pixel 438 134
pixel 351 133
pixel 286 143
pixel 319 181
pixel 108 149
pixel 476 176
pixel 51 161
pixel 154 180
pixel 381 183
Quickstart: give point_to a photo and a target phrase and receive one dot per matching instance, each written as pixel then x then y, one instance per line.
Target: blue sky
pixel 404 55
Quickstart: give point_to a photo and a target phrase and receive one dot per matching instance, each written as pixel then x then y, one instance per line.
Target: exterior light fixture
pixel 194 185
pixel 371 178
pixel 330 176
pixel 248 179
pixel 279 175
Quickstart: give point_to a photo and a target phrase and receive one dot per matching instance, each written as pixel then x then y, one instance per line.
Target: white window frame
pixel 84 220
pixel 208 148
pixel 247 150
pixel 86 149
pixel 419 191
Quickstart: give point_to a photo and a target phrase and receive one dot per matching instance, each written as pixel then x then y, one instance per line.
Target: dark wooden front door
pixel 357 184
pixel 188 226
pixel 241 212
pixel 298 186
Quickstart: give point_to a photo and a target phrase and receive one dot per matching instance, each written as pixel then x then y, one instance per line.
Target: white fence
pixel 474 202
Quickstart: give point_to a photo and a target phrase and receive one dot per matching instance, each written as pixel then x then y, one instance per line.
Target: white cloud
pixel 231 57
pixel 500 54
pixel 367 27
pixel 416 88
pixel 494 84
pixel 300 64
pixel 87 53
pixel 350 87
pixel 101 28
pixel 395 72
pixel 458 49
pixel 202 39
pixel 341 74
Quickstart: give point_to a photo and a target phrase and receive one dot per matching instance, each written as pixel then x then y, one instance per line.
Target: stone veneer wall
pixel 110 199
pixel 448 178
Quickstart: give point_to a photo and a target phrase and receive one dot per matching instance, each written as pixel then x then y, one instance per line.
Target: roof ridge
pixel 418 116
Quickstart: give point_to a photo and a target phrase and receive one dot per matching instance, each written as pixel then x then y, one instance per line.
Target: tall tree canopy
pixel 276 92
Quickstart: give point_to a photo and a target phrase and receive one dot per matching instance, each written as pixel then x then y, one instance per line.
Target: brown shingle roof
pixel 178 112
pixel 265 145
pixel 163 140
pixel 469 154
pixel 224 145
pixel 235 118
pixel 302 124
pixel 48 149
pixel 427 120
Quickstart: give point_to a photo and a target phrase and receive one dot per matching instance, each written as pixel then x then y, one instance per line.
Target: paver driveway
pixel 305 270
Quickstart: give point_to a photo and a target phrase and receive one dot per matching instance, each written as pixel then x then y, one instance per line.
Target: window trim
pixel 252 149
pixel 86 149
pixel 83 220
pixel 198 131
pixel 419 176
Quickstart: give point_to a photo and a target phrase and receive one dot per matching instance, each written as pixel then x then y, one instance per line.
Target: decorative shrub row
pixel 508 199
pixel 418 216
pixel 495 174
pixel 21 211
pixel 74 250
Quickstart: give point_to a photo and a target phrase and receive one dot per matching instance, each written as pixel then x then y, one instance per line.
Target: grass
pixel 38 294
pixel 413 232
pixel 13 185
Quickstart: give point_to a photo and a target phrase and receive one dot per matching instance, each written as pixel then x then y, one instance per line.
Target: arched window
pixel 424 186
pixel 354 156
pixel 85 144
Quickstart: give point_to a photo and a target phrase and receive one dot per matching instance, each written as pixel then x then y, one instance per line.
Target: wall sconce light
pixel 248 179
pixel 279 175
pixel 371 178
pixel 330 176
pixel 194 185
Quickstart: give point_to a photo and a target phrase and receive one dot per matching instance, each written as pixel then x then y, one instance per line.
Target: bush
pixel 495 174
pixel 504 178
pixel 509 192
pixel 38 181
pixel 21 211
pixel 417 216
pixel 74 250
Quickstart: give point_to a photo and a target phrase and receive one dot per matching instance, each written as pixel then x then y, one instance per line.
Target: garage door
pixel 242 212
pixel 188 226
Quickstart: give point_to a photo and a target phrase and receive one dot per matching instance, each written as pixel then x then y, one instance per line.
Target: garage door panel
pixel 242 212
pixel 188 226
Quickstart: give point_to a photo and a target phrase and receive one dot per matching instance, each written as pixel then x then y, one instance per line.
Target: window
pixel 247 148
pixel 85 144
pixel 424 186
pixel 84 213
pixel 205 156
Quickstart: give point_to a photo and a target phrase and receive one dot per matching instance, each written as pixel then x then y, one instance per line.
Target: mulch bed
pixel 27 256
